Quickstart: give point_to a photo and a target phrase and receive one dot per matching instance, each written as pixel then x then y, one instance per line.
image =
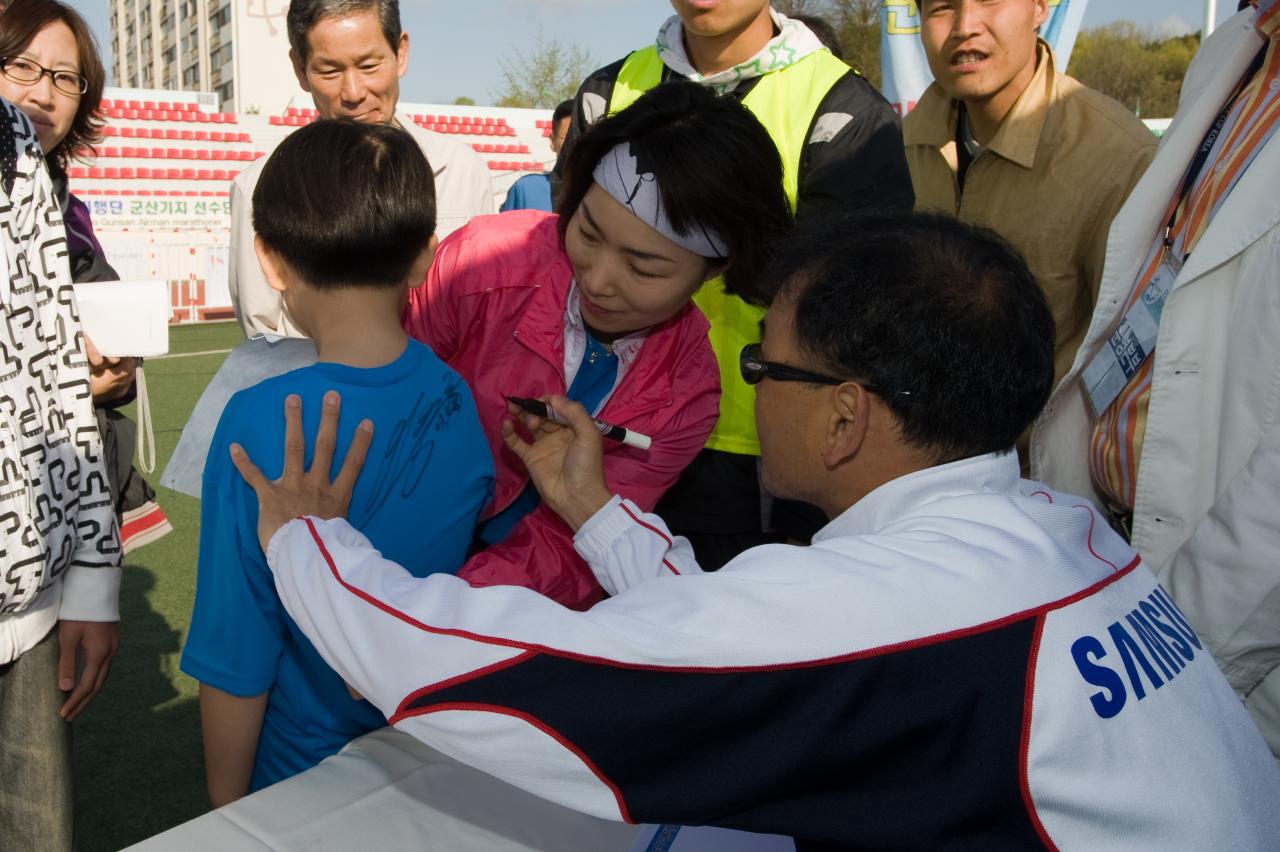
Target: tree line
pixel 1137 67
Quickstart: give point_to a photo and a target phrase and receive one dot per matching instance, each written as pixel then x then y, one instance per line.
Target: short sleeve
pixel 238 625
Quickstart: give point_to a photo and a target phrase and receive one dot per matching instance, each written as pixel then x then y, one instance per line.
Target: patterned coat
pixel 59 549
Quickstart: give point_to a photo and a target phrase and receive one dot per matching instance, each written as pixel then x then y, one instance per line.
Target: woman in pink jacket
pixel 594 303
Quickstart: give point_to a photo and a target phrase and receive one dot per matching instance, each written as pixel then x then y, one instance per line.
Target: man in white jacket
pixel 59 549
pixel 350 57
pixel 960 658
pixel 1170 415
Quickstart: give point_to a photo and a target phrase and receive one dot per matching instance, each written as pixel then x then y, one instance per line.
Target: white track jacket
pixel 960 659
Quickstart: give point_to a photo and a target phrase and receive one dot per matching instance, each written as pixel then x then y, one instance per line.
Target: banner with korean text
pixel 902 59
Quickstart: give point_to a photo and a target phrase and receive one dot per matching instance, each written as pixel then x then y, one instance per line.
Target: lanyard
pixel 1201 158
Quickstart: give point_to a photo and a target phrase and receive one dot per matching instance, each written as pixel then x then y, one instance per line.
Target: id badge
pixel 1132 343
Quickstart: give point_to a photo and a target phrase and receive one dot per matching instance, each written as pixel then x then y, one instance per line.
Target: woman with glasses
pixel 50 69
pixel 595 304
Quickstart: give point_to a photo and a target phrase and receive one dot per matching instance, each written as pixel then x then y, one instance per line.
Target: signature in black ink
pixel 411 447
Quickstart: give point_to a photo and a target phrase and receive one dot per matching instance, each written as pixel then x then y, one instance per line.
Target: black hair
pixel 346 204
pixel 716 167
pixel 562 111
pixel 826 33
pixel 305 14
pixel 944 318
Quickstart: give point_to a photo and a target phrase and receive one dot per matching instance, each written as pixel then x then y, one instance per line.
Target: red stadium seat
pixel 149 105
pixel 144 193
pixel 77 172
pixel 171 134
pixel 133 105
pixel 204 174
pixel 217 154
pixel 110 173
pixel 173 174
pixel 219 174
pixel 247 156
pixel 188 174
pixel 110 131
pixel 95 172
pixel 143 174
pixel 216 135
pixel 127 132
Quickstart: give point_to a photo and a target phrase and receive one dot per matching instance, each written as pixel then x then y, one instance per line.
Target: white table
pixel 387 791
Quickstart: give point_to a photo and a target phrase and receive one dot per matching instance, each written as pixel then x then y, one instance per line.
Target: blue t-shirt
pixel 531 192
pixel 427 477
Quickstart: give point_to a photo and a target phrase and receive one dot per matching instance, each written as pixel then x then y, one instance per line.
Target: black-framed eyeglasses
pixel 19 69
pixel 754 368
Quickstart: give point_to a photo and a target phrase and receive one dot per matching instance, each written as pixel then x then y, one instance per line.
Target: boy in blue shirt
pixel 345 216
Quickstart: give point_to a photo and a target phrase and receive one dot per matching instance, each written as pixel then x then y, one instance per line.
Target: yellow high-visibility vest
pixel 785 102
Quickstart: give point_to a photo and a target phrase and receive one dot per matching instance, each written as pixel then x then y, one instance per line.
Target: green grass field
pixel 138 762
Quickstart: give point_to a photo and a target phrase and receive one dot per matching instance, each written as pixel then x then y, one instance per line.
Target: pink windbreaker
pixel 493 309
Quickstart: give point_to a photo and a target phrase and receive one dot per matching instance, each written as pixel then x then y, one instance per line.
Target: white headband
pixel 619 174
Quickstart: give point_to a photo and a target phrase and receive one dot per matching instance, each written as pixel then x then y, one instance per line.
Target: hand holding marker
pixel 613 433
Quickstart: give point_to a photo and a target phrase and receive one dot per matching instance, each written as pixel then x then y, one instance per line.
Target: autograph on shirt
pixel 412 445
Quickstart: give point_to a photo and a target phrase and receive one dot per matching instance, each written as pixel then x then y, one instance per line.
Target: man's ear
pixel 402 55
pixel 299 70
pixel 1042 13
pixel 847 424
pixel 272 265
pixel 421 266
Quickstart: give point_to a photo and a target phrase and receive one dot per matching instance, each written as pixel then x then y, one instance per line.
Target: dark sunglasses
pixel 754 368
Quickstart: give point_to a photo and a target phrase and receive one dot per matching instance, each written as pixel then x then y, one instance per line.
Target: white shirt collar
pixel 575 345
pixel 996 473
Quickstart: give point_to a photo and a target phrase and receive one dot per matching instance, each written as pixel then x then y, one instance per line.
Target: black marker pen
pixel 613 433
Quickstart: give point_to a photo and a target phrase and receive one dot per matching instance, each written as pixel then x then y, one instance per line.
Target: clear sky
pixel 456 46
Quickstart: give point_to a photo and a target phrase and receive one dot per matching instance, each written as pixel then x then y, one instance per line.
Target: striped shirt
pixel 1252 118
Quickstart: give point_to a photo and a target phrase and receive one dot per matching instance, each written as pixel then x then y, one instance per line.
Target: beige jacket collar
pixel 1018 138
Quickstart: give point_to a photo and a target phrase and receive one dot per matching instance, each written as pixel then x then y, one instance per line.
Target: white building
pixel 236 49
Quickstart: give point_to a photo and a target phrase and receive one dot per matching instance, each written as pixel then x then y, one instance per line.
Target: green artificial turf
pixel 139 768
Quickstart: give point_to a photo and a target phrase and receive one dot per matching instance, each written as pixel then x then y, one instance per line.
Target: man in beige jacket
pixel 1005 141
pixel 350 58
